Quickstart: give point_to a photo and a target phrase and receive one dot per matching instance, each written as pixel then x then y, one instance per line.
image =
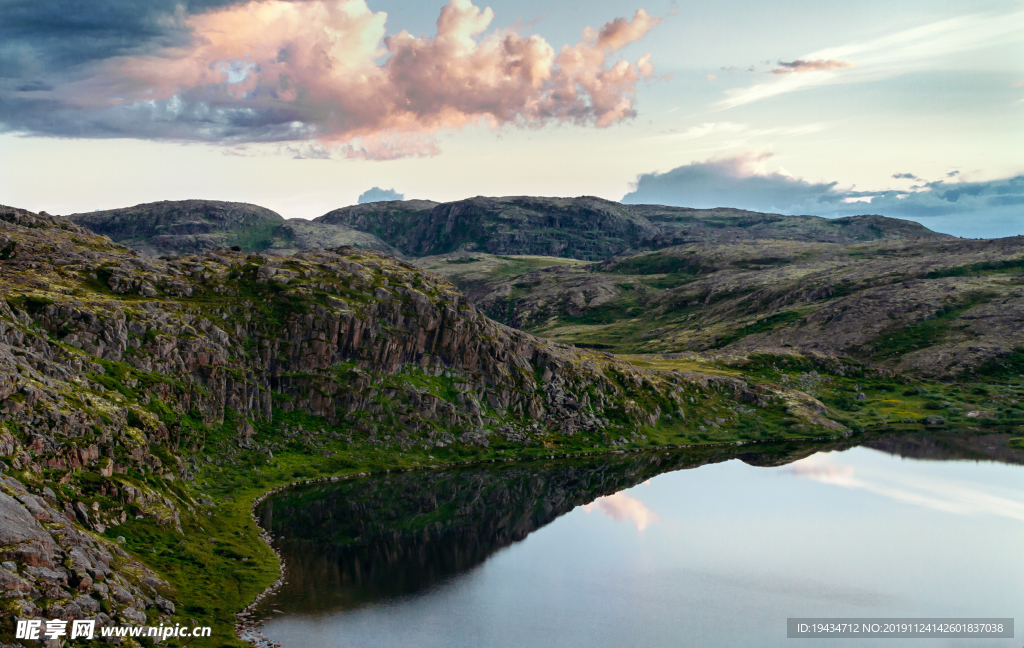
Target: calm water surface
pixel 622 553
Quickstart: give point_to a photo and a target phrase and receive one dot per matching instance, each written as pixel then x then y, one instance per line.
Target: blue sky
pixel 842 107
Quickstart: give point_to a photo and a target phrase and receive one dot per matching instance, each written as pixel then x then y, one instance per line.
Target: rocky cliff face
pixel 52 566
pixel 113 367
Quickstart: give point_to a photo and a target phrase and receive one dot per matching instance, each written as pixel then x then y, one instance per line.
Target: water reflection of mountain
pixel 367 540
pixel 953 446
pixel 352 542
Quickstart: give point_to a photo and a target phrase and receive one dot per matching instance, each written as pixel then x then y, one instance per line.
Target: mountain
pixel 584 228
pixel 186 226
pixel 591 228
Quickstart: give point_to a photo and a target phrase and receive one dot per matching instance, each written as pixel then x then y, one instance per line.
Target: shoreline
pixel 247 629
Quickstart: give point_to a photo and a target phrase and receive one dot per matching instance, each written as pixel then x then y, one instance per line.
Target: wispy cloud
pixel 937 494
pixel 326 70
pixel 622 507
pixel 749 132
pixel 801 66
pixel 909 50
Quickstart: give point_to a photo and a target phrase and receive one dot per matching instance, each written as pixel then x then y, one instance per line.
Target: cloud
pixel 622 507
pixel 745 182
pixel 734 133
pixel 740 181
pixel 937 494
pixel 801 66
pixel 377 194
pixel 927 47
pixel 908 176
pixel 273 70
pixel 40 39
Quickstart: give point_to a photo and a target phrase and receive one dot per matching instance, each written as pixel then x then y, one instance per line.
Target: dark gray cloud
pixel 987 209
pixel 908 176
pixel 379 195
pixel 47 44
pixel 44 44
pixel 41 38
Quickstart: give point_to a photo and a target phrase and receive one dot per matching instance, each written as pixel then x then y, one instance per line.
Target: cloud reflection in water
pixel 623 507
pixel 933 493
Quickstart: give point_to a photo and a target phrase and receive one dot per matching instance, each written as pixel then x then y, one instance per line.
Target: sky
pixel 912 109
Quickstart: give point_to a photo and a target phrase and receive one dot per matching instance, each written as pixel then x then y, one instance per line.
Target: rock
pixel 861 396
pixel 82 512
pixel 11 583
pixel 21 537
pixel 164 605
pixel 36 506
pixel 934 421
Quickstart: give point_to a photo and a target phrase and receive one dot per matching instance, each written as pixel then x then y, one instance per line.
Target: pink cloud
pixel 800 66
pixel 826 473
pixel 326 69
pixel 622 507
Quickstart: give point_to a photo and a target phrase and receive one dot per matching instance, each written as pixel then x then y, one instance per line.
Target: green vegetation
pixel 255 239
pixel 763 325
pixel 517 266
pixel 976 269
pixel 926 333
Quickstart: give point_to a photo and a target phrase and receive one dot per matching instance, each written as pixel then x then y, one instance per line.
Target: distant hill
pixel 579 228
pixel 681 225
pixel 592 229
pixel 191 226
pixel 586 228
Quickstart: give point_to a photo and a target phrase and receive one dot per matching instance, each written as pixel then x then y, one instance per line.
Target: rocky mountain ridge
pixel 585 228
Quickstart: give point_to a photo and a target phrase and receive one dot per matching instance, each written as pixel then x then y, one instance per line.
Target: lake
pixel 683 548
